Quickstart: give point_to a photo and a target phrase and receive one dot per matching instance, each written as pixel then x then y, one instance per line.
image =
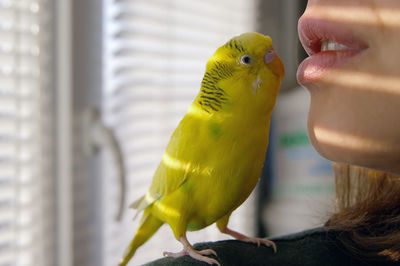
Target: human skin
pixel 354 115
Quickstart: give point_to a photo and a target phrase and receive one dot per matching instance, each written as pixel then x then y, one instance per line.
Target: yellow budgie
pixel 214 157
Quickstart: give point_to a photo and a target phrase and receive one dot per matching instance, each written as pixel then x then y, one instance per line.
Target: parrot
pixel 214 157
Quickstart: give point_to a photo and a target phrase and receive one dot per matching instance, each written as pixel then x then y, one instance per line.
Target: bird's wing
pixel 178 161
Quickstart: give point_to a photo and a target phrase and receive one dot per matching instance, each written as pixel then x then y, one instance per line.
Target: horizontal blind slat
pixel 24 183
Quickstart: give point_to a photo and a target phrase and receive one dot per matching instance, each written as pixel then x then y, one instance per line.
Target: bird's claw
pixel 197 255
pixel 260 241
pixel 208 252
pixel 248 239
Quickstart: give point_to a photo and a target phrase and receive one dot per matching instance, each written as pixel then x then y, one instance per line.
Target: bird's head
pixel 246 71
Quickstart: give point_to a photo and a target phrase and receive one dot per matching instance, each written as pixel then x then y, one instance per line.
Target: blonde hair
pixel 368 212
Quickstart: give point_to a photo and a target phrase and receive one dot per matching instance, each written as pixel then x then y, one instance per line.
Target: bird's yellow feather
pixel 214 157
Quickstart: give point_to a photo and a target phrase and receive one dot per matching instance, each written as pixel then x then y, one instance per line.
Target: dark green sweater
pixel 311 247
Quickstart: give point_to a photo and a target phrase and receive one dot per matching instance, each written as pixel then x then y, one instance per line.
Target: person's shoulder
pixel 311 247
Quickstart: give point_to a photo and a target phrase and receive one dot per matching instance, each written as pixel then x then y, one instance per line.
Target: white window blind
pixel 155 57
pixel 26 186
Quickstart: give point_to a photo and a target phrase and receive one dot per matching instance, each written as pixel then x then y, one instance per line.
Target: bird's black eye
pixel 246 60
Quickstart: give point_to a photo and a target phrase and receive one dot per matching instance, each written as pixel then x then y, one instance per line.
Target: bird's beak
pixel 273 61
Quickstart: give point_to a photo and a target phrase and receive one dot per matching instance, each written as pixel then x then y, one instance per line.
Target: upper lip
pixel 313 31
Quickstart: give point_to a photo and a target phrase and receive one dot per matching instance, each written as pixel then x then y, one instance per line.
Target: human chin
pixel 352 127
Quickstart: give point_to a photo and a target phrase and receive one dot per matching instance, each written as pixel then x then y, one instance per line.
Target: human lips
pixel 328 46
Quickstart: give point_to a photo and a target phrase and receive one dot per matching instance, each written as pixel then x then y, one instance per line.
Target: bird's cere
pixel 270 55
pixel 328 45
pixel 256 85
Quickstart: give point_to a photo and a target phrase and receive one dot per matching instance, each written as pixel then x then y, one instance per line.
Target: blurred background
pixel 90 91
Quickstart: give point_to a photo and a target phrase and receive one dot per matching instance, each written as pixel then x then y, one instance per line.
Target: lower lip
pixel 313 68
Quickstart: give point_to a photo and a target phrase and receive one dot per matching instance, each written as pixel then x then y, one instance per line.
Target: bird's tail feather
pixel 147 227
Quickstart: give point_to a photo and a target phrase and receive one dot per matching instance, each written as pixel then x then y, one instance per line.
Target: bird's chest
pixel 229 173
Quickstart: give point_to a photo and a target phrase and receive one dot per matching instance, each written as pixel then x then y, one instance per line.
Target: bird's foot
pixel 188 250
pixel 260 241
pixel 195 254
pixel 248 239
